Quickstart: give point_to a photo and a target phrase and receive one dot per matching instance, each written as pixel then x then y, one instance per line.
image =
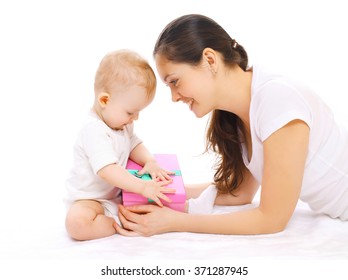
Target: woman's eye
pixel 174 82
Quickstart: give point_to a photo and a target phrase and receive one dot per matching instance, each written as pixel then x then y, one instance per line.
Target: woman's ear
pixel 210 58
pixel 103 99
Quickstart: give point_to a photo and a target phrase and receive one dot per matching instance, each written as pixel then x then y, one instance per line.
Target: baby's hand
pixel 156 190
pixel 156 172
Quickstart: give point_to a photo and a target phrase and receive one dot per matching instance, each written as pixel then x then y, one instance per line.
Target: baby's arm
pixel 118 176
pixel 143 157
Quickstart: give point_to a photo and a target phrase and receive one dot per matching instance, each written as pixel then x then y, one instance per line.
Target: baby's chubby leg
pixel 86 220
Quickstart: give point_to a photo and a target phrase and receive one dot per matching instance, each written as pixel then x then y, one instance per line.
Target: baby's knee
pixel 77 227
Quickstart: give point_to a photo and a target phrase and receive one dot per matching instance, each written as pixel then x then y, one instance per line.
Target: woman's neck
pixel 234 94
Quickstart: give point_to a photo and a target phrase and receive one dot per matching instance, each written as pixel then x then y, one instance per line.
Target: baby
pixel 124 85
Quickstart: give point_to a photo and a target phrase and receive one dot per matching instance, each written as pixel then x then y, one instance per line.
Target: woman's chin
pixel 199 114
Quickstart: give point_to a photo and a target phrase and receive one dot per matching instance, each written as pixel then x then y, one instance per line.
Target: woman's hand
pixel 146 220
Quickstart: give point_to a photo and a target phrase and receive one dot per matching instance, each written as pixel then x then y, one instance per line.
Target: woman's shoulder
pixel 266 77
pixel 278 85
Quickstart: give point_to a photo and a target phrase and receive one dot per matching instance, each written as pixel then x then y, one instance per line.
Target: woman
pixel 268 131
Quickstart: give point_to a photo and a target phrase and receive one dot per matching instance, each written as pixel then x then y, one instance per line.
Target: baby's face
pixel 124 107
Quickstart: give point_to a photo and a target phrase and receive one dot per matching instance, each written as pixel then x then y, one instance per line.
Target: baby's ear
pixel 103 98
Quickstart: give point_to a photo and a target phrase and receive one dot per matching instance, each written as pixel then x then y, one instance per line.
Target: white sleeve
pixel 97 145
pixel 203 204
pixel 276 105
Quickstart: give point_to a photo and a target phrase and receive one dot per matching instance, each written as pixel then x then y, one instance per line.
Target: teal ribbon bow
pixel 147 177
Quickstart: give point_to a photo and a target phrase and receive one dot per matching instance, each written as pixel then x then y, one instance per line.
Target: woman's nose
pixel 175 96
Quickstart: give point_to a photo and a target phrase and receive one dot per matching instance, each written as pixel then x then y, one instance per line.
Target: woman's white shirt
pixel 276 101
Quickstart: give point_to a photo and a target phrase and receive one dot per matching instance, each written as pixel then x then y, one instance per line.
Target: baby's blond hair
pixel 124 68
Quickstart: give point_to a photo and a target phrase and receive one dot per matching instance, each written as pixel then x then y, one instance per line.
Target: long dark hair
pixel 183 41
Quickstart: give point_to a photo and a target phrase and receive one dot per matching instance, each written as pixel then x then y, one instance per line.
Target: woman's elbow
pixel 272 224
pixel 275 226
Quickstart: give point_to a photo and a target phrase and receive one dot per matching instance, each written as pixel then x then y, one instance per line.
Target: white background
pixel 49 52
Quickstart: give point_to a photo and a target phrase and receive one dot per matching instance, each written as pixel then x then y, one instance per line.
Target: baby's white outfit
pixel 97 146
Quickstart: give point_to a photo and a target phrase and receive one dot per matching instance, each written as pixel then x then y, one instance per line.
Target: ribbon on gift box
pixel 147 177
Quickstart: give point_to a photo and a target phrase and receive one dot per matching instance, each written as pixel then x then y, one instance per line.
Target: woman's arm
pixel 244 194
pixel 194 190
pixel 285 153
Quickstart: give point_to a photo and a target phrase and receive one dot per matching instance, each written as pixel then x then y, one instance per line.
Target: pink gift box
pixel 168 162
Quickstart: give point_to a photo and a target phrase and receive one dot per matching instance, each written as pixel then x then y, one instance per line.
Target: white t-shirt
pixel 98 145
pixel 275 101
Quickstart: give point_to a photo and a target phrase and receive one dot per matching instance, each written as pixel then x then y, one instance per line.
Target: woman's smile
pixel 189 102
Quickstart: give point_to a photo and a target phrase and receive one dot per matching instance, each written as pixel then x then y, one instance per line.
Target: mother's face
pixel 192 85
